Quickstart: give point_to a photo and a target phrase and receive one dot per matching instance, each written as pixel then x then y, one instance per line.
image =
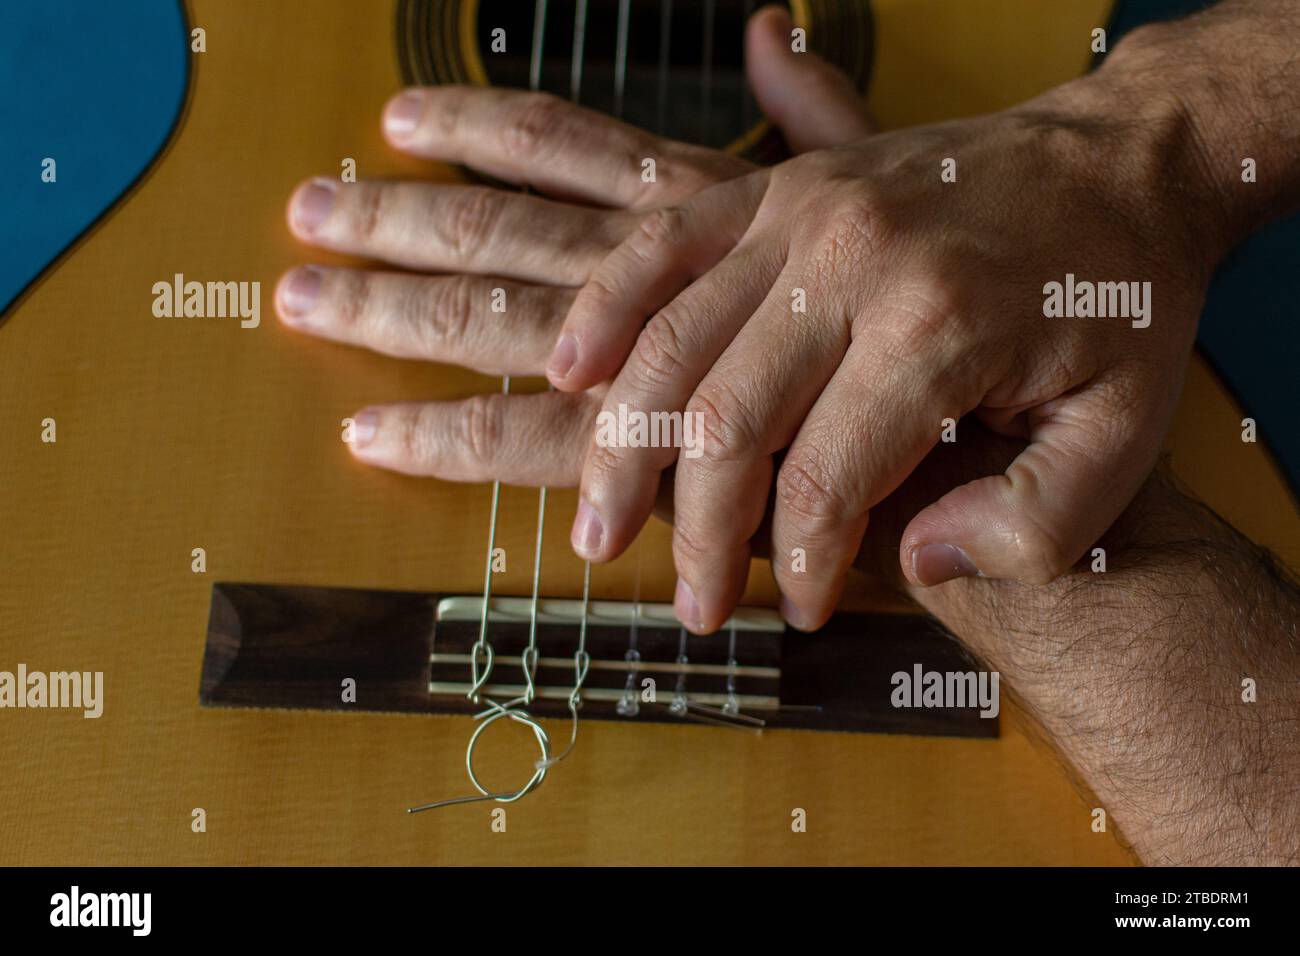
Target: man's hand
pixel 1043 267
pixel 857 302
pixel 536 248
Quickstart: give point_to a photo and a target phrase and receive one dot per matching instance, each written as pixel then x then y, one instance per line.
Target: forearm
pixel 1137 676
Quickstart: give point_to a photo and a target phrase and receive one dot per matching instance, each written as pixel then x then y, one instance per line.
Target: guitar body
pixel 177 434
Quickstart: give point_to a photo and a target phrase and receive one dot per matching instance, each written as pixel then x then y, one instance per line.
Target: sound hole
pixel 686 101
pixel 702 97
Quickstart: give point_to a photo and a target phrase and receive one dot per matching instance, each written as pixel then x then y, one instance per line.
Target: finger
pixel 814 104
pixel 750 406
pixel 711 549
pixel 441 228
pixel 870 427
pixel 1087 458
pixel 518 439
pixel 540 140
pixel 669 249
pixel 673 353
pixel 487 324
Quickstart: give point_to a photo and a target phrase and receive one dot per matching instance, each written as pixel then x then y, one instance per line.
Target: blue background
pixel 96 86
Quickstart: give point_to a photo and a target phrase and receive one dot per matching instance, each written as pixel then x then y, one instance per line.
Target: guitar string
pixel 620 57
pixel 746 99
pixel 482 647
pixel 629 704
pixel 665 38
pixel 706 69
pixel 582 659
pixel 529 658
pixel 579 42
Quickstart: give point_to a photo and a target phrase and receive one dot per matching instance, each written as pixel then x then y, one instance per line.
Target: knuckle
pixel 447 318
pixel 473 219
pixel 856 223
pixel 351 306
pixel 804 486
pixel 657 231
pixel 411 436
pixel 662 225
pixel 688 550
pixel 852 233
pixel 722 426
pixel 538 118
pixel 659 354
pixel 443 112
pixel 483 425
pixel 368 215
pixel 600 295
pixel 604 462
pixel 923 314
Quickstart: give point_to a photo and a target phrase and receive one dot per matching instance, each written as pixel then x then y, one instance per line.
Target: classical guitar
pixel 292 646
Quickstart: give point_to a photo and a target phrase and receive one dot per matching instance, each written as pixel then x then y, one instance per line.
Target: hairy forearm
pixel 1138 674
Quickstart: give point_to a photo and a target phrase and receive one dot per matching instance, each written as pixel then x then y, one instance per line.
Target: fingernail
pixel 403 114
pixel 313 203
pixel 936 563
pixel 587 530
pixel 364 424
pixel 793 616
pixel 299 292
pixel 685 605
pixel 563 358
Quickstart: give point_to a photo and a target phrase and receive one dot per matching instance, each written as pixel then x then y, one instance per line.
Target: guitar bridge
pixel 403 651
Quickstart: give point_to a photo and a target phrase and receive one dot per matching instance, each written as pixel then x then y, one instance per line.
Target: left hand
pixel 459 242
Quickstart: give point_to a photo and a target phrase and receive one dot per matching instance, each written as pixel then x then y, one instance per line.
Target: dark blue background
pixel 94 85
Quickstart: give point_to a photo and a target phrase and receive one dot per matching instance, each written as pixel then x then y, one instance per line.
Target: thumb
pixel 813 103
pixel 1056 499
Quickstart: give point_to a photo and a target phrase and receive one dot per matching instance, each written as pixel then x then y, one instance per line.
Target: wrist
pixel 1124 134
pixel 1213 102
